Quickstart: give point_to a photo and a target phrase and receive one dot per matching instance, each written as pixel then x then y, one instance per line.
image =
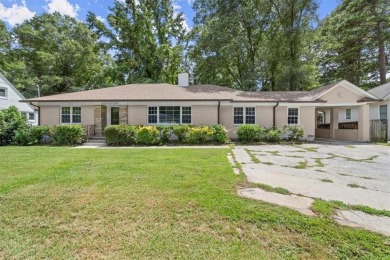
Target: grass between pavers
pixel 63 203
pixel 266 187
pixel 355 185
pixel 252 156
pixel 328 208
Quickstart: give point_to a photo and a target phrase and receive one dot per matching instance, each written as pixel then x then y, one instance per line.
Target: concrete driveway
pixel 356 174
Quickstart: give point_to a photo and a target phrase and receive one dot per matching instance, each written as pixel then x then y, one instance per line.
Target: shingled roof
pixel 382 91
pixel 167 92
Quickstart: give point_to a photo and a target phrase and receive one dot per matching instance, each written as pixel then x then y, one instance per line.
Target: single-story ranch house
pixel 323 112
pixel 381 110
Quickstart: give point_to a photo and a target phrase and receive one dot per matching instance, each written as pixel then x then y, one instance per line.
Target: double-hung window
pixel 169 115
pixel 70 115
pixel 244 115
pixel 383 112
pixel 348 113
pixel 292 117
pixel 31 116
pixel 3 93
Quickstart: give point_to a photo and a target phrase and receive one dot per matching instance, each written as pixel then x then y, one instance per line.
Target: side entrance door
pixel 114 115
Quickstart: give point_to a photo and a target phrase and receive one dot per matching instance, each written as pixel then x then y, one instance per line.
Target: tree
pixel 58 53
pixel 146 40
pixel 254 44
pixel 5 42
pixel 354 39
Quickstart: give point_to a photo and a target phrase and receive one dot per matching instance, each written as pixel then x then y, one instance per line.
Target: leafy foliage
pixel 68 134
pixel 11 122
pixel 147 38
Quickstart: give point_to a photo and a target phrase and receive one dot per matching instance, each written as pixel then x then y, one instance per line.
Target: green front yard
pixel 62 203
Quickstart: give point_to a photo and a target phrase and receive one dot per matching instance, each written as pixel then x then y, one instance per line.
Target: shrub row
pixel 256 133
pixel 158 135
pixel 58 135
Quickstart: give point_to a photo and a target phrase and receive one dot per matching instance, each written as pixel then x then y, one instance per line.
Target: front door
pixel 114 115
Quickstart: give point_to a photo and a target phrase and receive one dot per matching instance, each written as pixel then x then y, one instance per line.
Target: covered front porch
pixel 340 122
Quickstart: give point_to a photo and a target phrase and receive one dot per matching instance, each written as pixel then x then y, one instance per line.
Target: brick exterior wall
pixel 123 115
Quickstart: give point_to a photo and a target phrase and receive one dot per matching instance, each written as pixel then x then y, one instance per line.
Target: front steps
pixel 96 142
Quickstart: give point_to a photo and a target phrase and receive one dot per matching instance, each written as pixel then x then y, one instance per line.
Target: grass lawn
pixel 62 203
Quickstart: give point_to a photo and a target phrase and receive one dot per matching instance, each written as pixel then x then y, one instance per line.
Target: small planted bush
pixel 121 135
pixel 12 122
pixel 68 134
pixel 271 135
pixel 157 135
pixel 41 134
pixel 148 135
pixel 292 133
pixel 249 133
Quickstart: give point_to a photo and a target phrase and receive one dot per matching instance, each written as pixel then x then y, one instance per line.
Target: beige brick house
pixel 317 111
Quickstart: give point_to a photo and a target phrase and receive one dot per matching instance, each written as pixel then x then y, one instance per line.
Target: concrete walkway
pixel 354 174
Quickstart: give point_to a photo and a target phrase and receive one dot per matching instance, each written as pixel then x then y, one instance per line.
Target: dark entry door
pixel 114 115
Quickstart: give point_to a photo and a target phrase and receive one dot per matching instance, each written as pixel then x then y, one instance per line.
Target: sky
pixel 16 11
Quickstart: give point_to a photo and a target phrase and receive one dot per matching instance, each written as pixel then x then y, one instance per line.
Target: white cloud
pixel 63 7
pixel 16 13
pixel 178 8
pixel 100 18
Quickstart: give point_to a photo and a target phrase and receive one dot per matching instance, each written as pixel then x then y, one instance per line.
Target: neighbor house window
pixel 71 115
pixel 348 113
pixel 244 115
pixel 292 117
pixel 383 112
pixel 31 116
pixel 3 92
pixel 169 115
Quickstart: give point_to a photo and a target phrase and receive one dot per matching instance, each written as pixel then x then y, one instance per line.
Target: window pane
pixel 383 112
pixel 2 92
pixel 348 113
pixel 76 110
pixel 152 119
pixel 292 118
pixel 238 120
pixel 152 110
pixel 169 115
pixel 31 116
pixel 250 111
pixel 186 115
pixel 66 110
pixel 238 111
pixel 292 111
pixel 76 119
pixel 65 119
pixel 250 120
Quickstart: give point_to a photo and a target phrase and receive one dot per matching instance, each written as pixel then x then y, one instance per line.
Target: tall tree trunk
pixel 382 63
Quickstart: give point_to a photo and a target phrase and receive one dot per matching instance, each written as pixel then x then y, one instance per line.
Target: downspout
pixel 39 112
pixel 274 114
pixel 219 108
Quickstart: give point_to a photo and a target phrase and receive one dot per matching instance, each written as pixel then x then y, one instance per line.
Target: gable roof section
pixel 167 92
pixel 382 91
pixel 319 92
pixel 9 84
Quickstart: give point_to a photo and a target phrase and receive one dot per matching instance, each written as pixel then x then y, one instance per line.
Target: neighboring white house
pixel 381 110
pixel 10 96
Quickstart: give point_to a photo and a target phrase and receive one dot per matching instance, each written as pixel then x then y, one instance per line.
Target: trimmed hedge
pixel 158 135
pixel 256 133
pixel 59 135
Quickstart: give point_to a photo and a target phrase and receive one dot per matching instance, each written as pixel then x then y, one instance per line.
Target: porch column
pixel 334 122
pixel 364 123
pixel 100 120
pixel 123 115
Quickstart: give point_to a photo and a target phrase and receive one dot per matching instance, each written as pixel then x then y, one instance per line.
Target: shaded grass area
pixel 62 203
pixel 327 208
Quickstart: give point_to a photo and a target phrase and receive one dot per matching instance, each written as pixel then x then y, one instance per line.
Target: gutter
pixel 274 114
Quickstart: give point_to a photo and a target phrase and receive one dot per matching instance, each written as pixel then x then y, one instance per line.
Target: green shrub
pixel 220 134
pixel 21 136
pixel 199 135
pixel 37 134
pixel 249 133
pixel 165 133
pixel 120 135
pixel 68 134
pixel 271 135
pixel 148 135
pixel 292 133
pixel 181 131
pixel 11 120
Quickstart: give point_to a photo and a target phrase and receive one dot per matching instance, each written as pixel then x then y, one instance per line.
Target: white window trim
pixel 299 115
pixel 387 109
pixel 158 115
pixel 71 115
pixel 6 93
pixel 244 114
